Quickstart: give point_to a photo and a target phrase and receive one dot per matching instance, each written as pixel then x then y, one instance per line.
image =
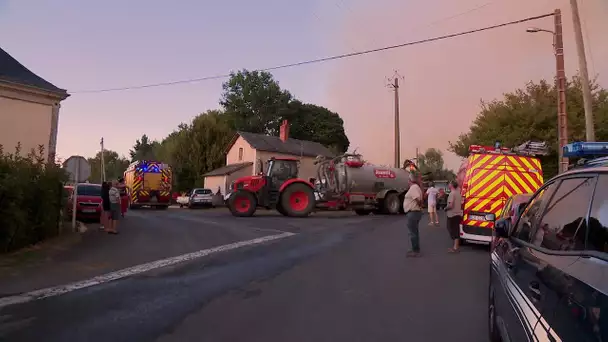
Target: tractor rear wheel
pixel 391 204
pixel 298 200
pixel 242 203
pixel 280 209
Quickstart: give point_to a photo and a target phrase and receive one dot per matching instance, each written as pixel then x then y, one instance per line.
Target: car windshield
pixel 202 192
pixel 89 190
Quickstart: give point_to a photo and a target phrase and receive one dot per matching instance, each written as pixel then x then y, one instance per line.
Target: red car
pixel 89 201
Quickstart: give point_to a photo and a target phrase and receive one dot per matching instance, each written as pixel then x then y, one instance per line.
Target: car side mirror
pixel 502 227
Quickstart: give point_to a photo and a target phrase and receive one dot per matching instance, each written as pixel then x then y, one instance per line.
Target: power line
pixel 341 4
pixel 325 59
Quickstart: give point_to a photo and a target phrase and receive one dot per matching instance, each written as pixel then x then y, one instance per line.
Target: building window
pixel 240 154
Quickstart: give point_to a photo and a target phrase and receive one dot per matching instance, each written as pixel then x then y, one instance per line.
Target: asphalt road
pixel 339 278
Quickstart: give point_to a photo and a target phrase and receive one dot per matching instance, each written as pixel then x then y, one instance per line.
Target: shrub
pixel 31 198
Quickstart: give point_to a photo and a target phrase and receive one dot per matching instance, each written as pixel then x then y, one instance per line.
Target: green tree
pixel 115 166
pixel 431 164
pixel 253 101
pixel 316 123
pixel 530 114
pixel 200 148
pixel 431 161
pixel 144 149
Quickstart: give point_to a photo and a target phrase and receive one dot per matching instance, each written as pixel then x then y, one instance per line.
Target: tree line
pixel 251 101
pixel 530 113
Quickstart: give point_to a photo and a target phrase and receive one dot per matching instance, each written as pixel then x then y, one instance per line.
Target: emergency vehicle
pixel 590 154
pixel 148 184
pixel 490 176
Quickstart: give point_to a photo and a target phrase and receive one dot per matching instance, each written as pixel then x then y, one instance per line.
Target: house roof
pixel 13 71
pixel 294 147
pixel 228 169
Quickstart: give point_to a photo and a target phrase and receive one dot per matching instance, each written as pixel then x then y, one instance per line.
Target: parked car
pixel 89 201
pixel 197 197
pixel 549 263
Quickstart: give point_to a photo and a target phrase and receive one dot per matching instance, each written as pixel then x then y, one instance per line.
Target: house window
pixel 240 154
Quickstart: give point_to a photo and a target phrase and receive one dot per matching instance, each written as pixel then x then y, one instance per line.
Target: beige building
pixel 29 108
pixel 248 151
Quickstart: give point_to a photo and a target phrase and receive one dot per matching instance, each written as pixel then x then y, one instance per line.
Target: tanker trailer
pixel 348 183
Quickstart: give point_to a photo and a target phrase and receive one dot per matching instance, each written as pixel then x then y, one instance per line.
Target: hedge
pixel 31 198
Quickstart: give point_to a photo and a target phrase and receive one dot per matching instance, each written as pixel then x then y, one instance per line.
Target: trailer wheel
pixel 242 204
pixel 391 204
pixel 298 200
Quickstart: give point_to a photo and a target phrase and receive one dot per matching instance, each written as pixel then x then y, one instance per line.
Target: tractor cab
pixel 281 170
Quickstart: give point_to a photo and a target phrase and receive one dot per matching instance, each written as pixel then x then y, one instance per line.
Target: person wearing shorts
pixel 431 194
pixel 115 211
pixel 454 214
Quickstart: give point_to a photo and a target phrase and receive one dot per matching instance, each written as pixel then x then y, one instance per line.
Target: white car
pixel 197 197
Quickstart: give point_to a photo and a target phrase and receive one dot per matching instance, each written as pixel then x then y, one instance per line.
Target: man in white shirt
pixel 431 194
pixel 412 206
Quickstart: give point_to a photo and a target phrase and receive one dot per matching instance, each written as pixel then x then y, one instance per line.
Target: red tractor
pixel 278 188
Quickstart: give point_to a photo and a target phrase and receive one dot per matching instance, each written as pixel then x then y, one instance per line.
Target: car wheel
pixel 494 334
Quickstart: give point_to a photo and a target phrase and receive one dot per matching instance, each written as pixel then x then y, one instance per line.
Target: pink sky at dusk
pixel 444 81
pixel 115 44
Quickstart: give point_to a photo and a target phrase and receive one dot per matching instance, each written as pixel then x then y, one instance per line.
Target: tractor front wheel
pixel 242 203
pixel 298 200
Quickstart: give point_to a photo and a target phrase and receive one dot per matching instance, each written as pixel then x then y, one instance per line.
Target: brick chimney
pixel 284 131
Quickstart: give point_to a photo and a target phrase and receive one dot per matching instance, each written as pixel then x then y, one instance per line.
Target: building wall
pixel 26 122
pixel 213 182
pixel 307 167
pixel 232 157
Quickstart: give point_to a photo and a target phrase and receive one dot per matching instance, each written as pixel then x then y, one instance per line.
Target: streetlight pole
pixel 560 85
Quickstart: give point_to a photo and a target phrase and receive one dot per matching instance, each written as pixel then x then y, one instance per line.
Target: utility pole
pixel 103 165
pixel 582 64
pixel 395 87
pixel 560 82
pixel 417 155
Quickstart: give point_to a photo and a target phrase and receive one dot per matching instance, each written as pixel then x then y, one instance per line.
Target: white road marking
pixel 62 289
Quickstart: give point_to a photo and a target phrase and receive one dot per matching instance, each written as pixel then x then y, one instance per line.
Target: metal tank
pixel 349 174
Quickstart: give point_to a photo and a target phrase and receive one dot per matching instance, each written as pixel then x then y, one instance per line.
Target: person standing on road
pixel 124 198
pixel 454 213
pixel 114 194
pixel 431 194
pixel 412 206
pixel 105 206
